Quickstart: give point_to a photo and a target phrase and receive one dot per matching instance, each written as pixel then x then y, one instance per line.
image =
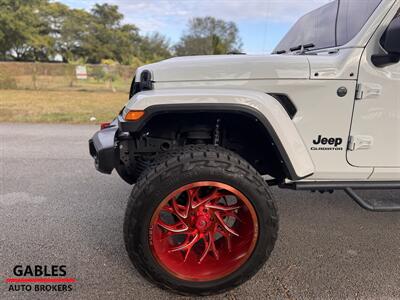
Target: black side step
pixel 349 186
pixel 378 206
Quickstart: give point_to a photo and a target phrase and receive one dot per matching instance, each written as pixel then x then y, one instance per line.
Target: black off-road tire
pixel 192 164
pixel 131 174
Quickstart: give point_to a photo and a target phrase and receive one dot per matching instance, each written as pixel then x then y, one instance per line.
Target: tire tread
pixel 186 158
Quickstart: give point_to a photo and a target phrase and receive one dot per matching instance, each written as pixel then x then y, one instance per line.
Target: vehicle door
pixel 375 131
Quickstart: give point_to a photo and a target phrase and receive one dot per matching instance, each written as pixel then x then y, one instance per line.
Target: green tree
pixel 24 34
pixel 126 43
pixel 208 36
pixel 41 30
pixel 107 38
pixel 50 19
pixel 153 48
pixel 69 27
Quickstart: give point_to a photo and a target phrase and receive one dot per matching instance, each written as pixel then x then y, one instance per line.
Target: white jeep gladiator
pixel 203 138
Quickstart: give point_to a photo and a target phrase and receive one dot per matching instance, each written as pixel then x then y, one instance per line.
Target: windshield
pixel 331 25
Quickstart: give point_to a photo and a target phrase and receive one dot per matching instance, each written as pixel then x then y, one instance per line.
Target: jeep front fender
pixel 258 105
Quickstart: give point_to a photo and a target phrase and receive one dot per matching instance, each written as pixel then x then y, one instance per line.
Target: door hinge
pixel 359 142
pixel 358 91
pixel 368 90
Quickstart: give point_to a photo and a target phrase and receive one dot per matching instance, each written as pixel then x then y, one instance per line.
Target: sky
pixel 261 23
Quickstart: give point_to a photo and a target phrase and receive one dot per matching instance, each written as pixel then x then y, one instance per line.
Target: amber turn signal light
pixel 134 115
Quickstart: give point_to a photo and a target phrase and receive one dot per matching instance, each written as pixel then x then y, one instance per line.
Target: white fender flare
pixel 262 106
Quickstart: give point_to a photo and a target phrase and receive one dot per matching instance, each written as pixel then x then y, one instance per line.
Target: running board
pixel 348 187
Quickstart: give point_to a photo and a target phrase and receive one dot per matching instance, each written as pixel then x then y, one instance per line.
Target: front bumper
pixel 103 147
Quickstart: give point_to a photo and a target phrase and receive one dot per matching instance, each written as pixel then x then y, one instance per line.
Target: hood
pixel 229 67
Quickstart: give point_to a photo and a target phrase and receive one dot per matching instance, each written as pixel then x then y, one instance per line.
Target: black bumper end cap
pixel 103 150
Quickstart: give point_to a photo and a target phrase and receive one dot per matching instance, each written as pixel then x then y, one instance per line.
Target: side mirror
pixel 391 43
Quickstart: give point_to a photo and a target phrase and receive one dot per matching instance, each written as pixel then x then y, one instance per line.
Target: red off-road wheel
pixel 201 222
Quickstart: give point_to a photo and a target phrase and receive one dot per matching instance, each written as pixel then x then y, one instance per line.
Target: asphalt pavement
pixel 56 209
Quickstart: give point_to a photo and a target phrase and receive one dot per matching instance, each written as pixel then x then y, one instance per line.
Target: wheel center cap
pixel 202 223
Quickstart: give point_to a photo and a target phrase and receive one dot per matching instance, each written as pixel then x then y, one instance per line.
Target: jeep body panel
pixel 337 65
pixel 228 67
pixel 327 115
pixel 265 107
pixel 341 64
pixel 385 174
pixel 323 86
pixel 376 116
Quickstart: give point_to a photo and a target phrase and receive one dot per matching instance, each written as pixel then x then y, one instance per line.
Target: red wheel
pixel 203 231
pixel 200 222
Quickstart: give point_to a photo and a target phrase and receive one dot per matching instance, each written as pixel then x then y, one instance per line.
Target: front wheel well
pixel 240 133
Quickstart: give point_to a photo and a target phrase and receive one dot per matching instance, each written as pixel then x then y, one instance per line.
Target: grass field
pixel 59 106
pixel 61 77
pixel 61 83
